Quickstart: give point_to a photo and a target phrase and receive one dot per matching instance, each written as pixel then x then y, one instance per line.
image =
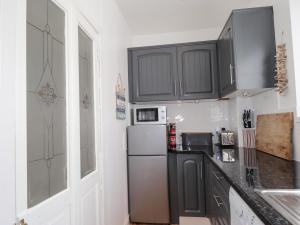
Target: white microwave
pixel 149 115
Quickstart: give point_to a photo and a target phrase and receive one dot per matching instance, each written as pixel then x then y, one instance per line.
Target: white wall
pixel 203 116
pixel 199 117
pixel 295 18
pixel 115 38
pixel 176 37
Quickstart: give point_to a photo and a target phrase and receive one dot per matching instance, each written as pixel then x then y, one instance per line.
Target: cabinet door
pixel 226 61
pixel 153 74
pixel 197 70
pixel 191 185
pixel 173 187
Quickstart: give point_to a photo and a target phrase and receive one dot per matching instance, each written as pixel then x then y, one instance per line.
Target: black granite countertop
pixel 249 169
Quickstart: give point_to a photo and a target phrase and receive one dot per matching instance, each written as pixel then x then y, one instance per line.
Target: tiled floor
pixel 194 221
pixel 149 224
pixel 187 221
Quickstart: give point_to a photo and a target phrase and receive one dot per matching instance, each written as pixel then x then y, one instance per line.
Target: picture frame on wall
pixel 120 100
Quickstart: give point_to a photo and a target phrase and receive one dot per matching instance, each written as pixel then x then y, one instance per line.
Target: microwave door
pixel 147 115
pixel 151 116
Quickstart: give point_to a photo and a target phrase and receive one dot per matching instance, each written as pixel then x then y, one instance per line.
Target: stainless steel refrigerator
pixel 148 174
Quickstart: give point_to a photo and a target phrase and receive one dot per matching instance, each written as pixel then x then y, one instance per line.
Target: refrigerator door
pixel 148 189
pixel 147 140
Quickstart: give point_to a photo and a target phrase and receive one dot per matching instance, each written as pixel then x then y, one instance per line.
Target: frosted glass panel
pixel 46 101
pixel 86 84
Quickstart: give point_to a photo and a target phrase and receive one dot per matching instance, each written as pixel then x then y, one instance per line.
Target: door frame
pixel 8 81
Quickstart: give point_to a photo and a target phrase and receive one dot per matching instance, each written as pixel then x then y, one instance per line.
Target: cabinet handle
pixel 21 222
pixel 180 87
pixel 175 87
pixel 219 203
pixel 201 170
pixel 216 176
pixel 242 214
pixel 231 73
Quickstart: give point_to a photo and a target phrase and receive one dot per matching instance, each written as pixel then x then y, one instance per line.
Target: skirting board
pixel 126 221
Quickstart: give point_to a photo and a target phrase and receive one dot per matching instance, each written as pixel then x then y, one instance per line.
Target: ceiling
pixel 163 16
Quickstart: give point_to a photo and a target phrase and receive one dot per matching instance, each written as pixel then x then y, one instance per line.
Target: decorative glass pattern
pixel 86 85
pixel 46 101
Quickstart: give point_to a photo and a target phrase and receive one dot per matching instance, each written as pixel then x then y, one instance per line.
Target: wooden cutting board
pixel 274 134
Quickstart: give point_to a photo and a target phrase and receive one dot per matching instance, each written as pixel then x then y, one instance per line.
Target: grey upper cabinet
pixel 246 49
pixel 191 185
pixel 242 62
pixel 173 72
pixel 226 61
pixel 197 70
pixel 152 74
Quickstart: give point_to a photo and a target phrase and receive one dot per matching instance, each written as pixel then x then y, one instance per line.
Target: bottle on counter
pixel 172 136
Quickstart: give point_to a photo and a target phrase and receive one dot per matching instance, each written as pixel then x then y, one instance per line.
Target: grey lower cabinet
pixel 153 74
pixel 176 72
pixel 197 71
pixel 217 195
pixel 197 188
pixel 173 188
pixel 246 50
pixel 186 186
pixel 191 196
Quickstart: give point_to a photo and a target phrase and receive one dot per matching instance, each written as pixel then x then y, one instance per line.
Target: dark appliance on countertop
pixel 196 139
pixel 148 174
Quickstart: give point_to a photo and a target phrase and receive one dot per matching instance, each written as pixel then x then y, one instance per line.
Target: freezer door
pixel 148 189
pixel 147 140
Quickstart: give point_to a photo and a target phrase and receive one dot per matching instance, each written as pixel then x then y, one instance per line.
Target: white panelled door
pixel 58 116
pixel 87 179
pixel 43 191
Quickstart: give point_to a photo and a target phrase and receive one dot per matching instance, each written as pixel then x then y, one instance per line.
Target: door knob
pixel 22 222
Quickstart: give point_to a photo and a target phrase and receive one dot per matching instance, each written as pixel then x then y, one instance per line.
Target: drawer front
pixel 221 205
pixel 217 191
pixel 218 177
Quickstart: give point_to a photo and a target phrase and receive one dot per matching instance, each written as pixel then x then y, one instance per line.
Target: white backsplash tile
pixel 198 117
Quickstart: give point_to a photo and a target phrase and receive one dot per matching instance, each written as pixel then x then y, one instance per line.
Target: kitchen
pixel 176 84
pixel 125 112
